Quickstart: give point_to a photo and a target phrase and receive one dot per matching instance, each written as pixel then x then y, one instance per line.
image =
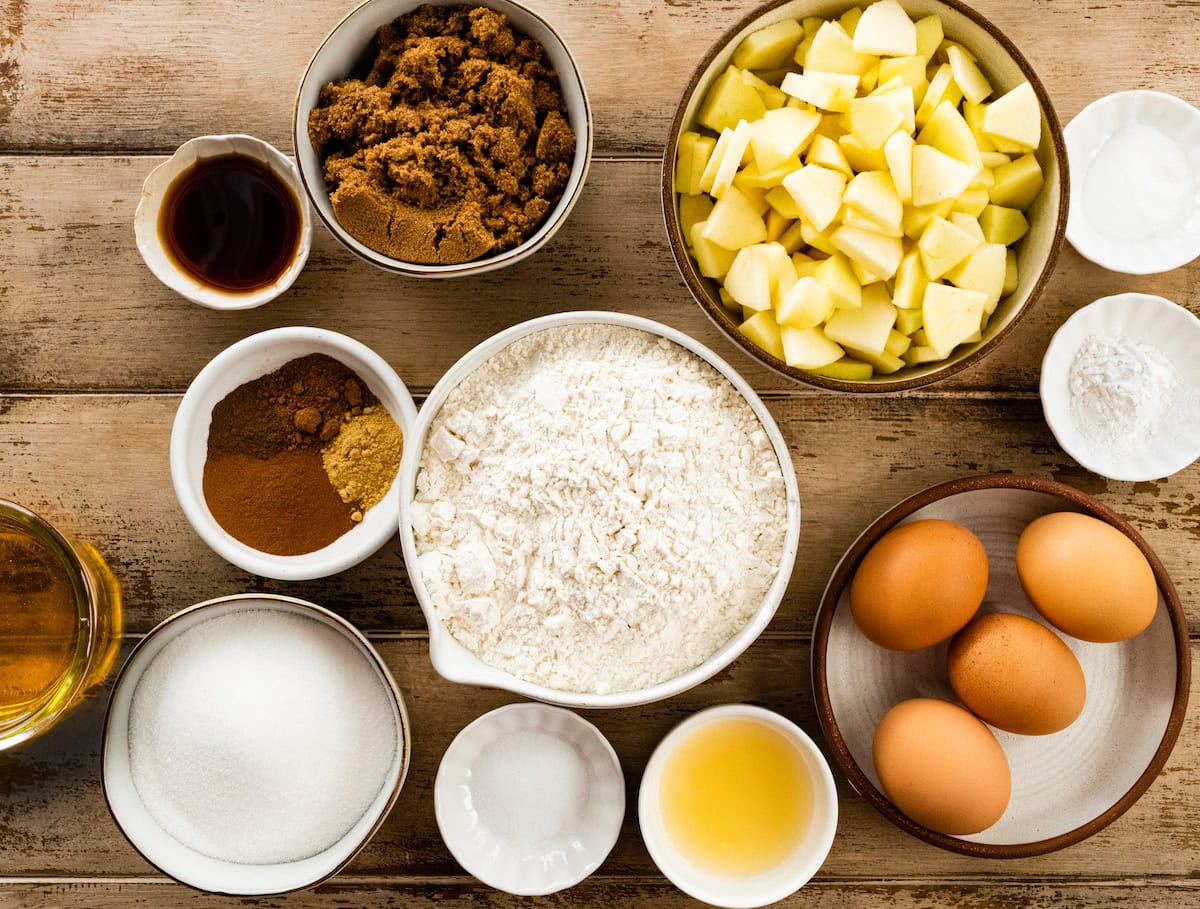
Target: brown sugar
pixel 455 144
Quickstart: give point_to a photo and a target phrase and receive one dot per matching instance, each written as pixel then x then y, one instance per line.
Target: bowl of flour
pixel 596 511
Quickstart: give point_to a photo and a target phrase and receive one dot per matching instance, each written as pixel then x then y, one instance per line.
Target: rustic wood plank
pixel 83 312
pixel 98 465
pixel 347 892
pixel 136 75
pixel 53 821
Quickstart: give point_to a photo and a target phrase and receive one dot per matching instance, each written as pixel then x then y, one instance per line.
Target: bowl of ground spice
pixel 285 452
pixel 442 139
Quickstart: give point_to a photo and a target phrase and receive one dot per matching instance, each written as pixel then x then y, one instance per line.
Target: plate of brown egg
pixel 1001 665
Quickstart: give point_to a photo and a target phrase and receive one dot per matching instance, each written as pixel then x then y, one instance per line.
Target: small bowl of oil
pixel 224 222
pixel 60 623
pixel 738 806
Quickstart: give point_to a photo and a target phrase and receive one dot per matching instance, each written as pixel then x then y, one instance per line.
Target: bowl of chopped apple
pixel 865 199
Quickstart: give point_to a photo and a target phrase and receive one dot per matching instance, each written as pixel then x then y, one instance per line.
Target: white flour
pixel 1122 392
pixel 597 510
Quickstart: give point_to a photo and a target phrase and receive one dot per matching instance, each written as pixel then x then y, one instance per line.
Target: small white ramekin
pixel 243 362
pixel 164 267
pixel 187 865
pixel 343 51
pixel 742 892
pixel 452 660
pixel 1087 134
pixel 1137 317
pixel 554 865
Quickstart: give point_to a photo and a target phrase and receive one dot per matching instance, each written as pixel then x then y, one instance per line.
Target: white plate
pixel 1137 317
pixel 1174 238
pixel 1065 786
pixel 558 862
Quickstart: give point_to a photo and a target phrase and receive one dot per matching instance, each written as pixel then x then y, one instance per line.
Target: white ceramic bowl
pixel 1065 786
pixel 757 890
pixel 149 243
pixel 243 362
pixel 344 52
pixel 455 662
pixel 554 864
pixel 185 864
pixel 1175 239
pixel 1138 317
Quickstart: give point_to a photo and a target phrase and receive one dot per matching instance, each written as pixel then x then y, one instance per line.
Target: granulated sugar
pixel 260 736
pixel 597 510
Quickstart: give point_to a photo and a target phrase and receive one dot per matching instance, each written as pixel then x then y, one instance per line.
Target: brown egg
pixel 941 766
pixel 1016 674
pixel 919 584
pixel 1086 578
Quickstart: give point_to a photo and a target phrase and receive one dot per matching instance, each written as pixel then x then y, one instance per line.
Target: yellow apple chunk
pixel 808 348
pixel 713 260
pixel 693 210
pixel 771 47
pixel 806 305
pixel 817 192
pixel 885 30
pixel 1015 118
pixel 873 195
pixel 898 153
pixel 828 91
pixel 943 246
pixel 873 119
pixel 838 278
pixel 947 131
pixel 952 315
pixel 729 100
pixel 762 331
pixel 983 270
pixel 827 153
pixel 734 222
pixel 832 51
pixel 937 176
pixel 911 280
pixel 1017 183
pixel 866 328
pixel 974 84
pixel 929 36
pixel 1003 225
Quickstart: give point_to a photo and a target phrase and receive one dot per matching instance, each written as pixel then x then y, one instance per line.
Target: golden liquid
pixel 736 798
pixel 59 621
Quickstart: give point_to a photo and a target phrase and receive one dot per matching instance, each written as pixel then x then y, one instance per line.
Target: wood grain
pixel 97 464
pixel 53 821
pixel 147 75
pixel 82 312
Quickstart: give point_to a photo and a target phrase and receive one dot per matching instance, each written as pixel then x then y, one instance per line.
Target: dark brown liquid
pixel 231 223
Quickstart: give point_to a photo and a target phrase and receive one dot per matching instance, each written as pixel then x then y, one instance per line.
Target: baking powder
pixel 1122 392
pixel 597 510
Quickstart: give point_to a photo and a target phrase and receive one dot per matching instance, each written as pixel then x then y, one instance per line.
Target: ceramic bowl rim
pixel 404 728
pixel 824 623
pixel 717 314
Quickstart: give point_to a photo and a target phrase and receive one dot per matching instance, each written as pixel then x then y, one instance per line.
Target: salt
pixel 1138 186
pixel 529 788
pixel 260 737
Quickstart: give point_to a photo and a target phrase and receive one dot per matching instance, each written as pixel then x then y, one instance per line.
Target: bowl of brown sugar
pixel 442 139
pixel 285 452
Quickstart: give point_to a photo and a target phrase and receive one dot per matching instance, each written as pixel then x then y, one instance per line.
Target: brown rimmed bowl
pixel 1066 786
pixel 1037 252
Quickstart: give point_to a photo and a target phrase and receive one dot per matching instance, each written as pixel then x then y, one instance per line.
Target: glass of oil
pixel 738 807
pixel 60 623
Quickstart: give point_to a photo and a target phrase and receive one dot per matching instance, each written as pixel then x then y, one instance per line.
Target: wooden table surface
pixel 94 354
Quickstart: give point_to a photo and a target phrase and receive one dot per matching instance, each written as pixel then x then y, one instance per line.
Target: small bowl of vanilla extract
pixel 223 222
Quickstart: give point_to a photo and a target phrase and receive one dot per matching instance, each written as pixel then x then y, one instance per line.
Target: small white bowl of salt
pixel 253 745
pixel 530 798
pixel 1135 182
pixel 1120 387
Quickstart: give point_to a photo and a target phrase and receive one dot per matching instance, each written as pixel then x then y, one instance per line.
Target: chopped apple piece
pixel 909 320
pixel 734 222
pixel 1003 225
pixel 874 119
pixel 898 342
pixel 1010 271
pixel 968 225
pixel 853 218
pixel 937 176
pixel 943 246
pixel 777 223
pixel 952 315
pixel 947 131
pixel 861 157
pixel 838 277
pixel 749 278
pixel 714 160
pixel 849 19
pixel 828 91
pixel 1015 118
pixel 878 254
pixel 728 302
pixel 898 153
pixel 910 281
pixel 693 210
pixel 942 87
pixel 909 70
pixel 873 195
pixel 806 305
pixel 866 328
pixel 832 51
pixel 729 100
pixel 972 202
pixel 827 153
pixel 735 152
pixel 974 84
pixel 781 200
pixel 713 260
pixel 817 192
pixel 916 219
pixel 762 331
pixel 781 135
pixel 753 177
pixel 812 25
pixel 771 47
pixel 993 160
pixel 793 238
pixel 808 348
pixel 683 161
pixel 929 36
pixel 845 369
pixel 772 97
pixel 900 96
pixel 983 271
pixel 1017 183
pixel 702 149
pixel 882 363
pixel 817 239
pixel 973 114
pixel 886 30
pixel 916 355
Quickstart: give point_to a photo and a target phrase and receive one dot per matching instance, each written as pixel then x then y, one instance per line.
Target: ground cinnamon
pixel 454 145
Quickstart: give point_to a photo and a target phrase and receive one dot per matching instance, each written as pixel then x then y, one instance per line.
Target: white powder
pixel 597 510
pixel 260 737
pixel 1122 392
pixel 530 788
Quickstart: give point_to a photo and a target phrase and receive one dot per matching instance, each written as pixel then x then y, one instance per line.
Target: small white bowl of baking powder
pixel 1120 387
pixel 1135 182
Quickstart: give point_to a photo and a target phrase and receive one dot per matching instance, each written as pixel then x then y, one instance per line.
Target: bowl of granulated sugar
pixel 253 745
pixel 595 511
